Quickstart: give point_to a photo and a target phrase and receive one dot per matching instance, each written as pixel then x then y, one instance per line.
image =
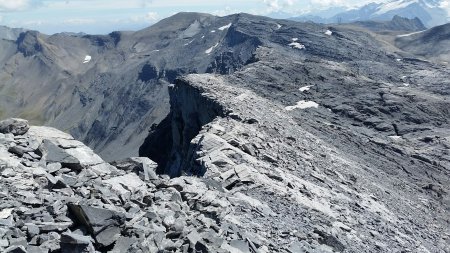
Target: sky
pixel 105 16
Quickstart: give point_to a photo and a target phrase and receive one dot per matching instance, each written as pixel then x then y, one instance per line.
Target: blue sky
pixel 104 16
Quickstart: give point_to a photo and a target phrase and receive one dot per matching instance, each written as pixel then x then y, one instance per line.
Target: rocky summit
pixel 228 134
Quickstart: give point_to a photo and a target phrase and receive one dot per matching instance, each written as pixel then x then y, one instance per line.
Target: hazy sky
pixel 104 16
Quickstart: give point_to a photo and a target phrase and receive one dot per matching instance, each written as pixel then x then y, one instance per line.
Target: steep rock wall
pixel 169 142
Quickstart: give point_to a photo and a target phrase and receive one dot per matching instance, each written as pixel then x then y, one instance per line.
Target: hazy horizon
pixel 105 16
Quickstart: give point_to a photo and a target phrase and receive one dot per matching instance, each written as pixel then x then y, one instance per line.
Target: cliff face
pixel 191 109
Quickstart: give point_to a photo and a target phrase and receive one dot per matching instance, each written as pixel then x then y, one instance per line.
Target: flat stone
pixel 121 184
pixel 5 213
pixel 53 167
pixel 108 236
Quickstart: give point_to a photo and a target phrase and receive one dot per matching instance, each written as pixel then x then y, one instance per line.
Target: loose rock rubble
pixel 58 196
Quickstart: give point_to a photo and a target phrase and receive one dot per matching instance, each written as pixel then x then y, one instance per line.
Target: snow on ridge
pixel 213 31
pixel 328 32
pixel 87 59
pixel 209 50
pixel 305 88
pixel 294 39
pixel 409 34
pixel 302 105
pixel 297 45
pixel 279 26
pixel 394 5
pixel 225 27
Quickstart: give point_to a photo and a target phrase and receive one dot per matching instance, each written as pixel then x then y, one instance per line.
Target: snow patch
pixel 187 44
pixel 305 88
pixel 203 36
pixel 87 59
pixel 294 39
pixel 302 105
pixel 279 26
pixel 297 45
pixel 409 34
pixel 406 84
pixel 209 50
pixel 395 137
pixel 213 31
pixel 225 27
pixel 328 32
pixel 398 59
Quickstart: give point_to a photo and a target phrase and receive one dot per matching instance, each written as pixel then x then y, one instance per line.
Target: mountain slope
pixel 433 43
pixel 396 24
pixel 430 12
pixel 122 89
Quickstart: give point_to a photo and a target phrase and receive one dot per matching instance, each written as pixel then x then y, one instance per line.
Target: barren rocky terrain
pixel 246 134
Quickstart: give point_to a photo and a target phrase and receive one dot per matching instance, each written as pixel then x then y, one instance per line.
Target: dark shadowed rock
pixel 75 243
pixel 139 165
pixel 14 126
pixel 103 224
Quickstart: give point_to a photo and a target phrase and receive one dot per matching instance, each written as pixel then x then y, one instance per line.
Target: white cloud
pixel 79 21
pixel 150 17
pixel 445 5
pixel 277 5
pixel 17 5
pixel 327 3
pixel 225 11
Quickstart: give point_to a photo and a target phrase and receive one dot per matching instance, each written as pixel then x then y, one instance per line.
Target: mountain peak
pixel 430 12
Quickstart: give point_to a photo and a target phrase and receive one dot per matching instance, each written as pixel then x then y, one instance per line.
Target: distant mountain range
pixel 430 12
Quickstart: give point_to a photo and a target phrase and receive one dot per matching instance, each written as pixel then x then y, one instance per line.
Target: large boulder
pixel 14 126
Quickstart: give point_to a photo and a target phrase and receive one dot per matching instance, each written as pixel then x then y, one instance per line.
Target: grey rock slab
pixel 14 126
pixel 108 236
pixel 99 220
pixel 123 184
pixel 54 154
